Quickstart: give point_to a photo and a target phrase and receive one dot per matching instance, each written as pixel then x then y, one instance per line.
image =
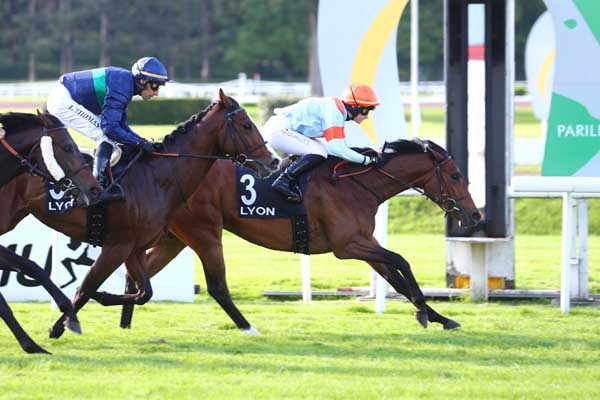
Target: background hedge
pixel 165 111
pixel 532 216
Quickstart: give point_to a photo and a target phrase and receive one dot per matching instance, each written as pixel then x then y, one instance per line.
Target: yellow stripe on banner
pixel 371 49
pixel 543 75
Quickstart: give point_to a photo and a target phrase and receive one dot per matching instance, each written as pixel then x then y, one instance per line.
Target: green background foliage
pixel 200 40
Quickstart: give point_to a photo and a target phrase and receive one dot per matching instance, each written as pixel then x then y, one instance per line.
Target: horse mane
pixel 404 146
pixel 413 146
pixel 185 127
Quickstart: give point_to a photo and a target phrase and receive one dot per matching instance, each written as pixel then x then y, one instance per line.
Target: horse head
pixel 242 140
pixel 447 187
pixel 48 146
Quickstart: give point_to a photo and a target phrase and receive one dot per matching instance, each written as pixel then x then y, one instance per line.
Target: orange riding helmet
pixel 359 94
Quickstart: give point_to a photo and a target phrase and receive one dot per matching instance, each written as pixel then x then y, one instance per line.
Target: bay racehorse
pixel 155 188
pixel 341 201
pixel 40 148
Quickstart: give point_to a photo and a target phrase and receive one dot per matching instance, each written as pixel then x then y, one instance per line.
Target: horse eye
pixel 68 148
pixel 247 126
pixel 455 176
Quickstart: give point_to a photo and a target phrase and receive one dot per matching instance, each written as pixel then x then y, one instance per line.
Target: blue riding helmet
pixel 150 69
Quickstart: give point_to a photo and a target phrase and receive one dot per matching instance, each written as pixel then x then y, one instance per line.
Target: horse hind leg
pixel 156 259
pixel 390 274
pixel 25 341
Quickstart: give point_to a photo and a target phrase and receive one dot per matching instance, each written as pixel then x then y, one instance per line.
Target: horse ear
pixel 42 117
pixel 439 157
pixel 224 99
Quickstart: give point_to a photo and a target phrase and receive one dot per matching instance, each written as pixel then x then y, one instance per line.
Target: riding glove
pixel 371 160
pixel 146 146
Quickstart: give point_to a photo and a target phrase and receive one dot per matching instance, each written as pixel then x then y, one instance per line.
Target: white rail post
pixel 306 289
pixel 568 230
pixel 381 235
pixel 582 224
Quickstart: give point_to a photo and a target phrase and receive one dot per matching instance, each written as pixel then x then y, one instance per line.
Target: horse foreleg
pixel 109 260
pixel 21 264
pixel 156 259
pixel 135 264
pixel 25 341
pixel 390 274
pixel 367 249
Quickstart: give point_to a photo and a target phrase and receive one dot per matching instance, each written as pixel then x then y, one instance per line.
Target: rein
pixel 34 170
pixel 233 133
pixel 445 201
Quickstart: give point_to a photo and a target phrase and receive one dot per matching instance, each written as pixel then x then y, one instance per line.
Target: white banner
pixel 68 261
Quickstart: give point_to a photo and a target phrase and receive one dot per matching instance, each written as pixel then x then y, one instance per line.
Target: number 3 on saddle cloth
pixel 256 199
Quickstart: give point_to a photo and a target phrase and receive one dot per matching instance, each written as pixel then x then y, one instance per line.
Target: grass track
pixel 323 350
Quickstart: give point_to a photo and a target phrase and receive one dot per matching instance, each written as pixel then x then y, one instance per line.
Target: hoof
pixel 423 318
pixel 56 331
pixel 451 325
pixel 33 348
pixel 252 331
pixel 73 326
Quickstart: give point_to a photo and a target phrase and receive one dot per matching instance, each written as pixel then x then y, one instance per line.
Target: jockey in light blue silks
pixel 94 103
pixel 299 129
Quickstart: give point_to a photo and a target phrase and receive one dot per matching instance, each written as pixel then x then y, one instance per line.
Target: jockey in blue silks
pixel 94 102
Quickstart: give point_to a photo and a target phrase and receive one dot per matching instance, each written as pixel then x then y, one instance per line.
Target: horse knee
pixel 144 298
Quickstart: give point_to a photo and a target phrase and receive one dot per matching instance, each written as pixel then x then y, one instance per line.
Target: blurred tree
pixel 201 39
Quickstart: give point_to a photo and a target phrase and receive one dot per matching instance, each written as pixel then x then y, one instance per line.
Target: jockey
pixel 94 103
pixel 297 130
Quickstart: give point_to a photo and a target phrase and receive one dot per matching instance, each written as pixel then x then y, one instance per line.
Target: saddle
pixel 60 202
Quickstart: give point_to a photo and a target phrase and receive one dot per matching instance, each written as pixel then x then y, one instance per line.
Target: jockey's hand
pixel 372 160
pixel 146 146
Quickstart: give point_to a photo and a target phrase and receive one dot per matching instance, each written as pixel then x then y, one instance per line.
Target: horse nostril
pixel 275 162
pixel 476 216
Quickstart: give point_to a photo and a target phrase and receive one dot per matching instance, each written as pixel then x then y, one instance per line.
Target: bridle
pixel 230 133
pixel 446 202
pixel 234 134
pixel 66 184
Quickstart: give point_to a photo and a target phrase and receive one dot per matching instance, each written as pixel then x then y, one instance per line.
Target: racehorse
pixel 40 145
pixel 341 211
pixel 155 187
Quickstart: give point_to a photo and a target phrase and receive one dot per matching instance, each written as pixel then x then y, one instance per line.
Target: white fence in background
pixel 241 87
pixel 574 191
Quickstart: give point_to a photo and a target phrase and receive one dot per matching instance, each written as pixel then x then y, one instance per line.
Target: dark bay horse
pixel 155 188
pixel 341 220
pixel 22 154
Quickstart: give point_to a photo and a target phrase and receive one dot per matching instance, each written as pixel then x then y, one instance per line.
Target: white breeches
pixel 288 141
pixel 74 115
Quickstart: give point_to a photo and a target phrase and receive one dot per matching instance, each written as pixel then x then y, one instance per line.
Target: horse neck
pixel 10 166
pixel 406 171
pixel 188 172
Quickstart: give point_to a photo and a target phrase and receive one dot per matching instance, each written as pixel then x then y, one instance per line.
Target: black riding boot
pixel 286 183
pixel 100 171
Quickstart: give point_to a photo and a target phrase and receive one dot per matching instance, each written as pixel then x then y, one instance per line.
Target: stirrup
pixel 293 196
pixel 113 191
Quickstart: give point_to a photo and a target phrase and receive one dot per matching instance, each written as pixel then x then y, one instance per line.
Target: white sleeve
pixel 339 148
